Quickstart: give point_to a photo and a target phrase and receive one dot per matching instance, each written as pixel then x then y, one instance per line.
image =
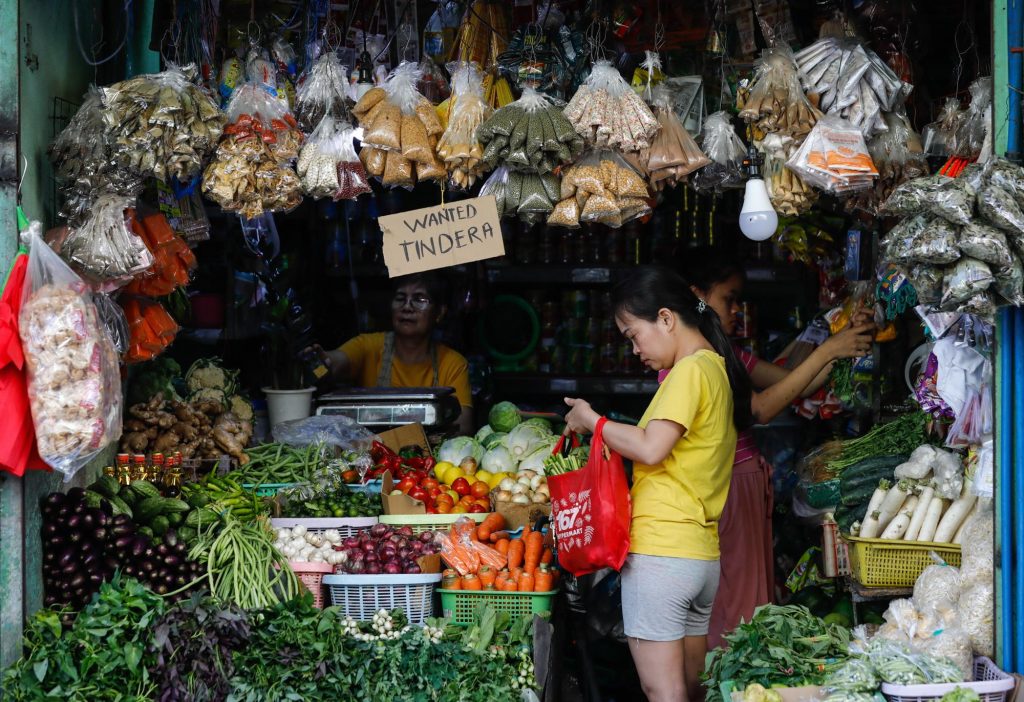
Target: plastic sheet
pixel 1009 282
pixel 937 589
pixel 74 383
pixel 998 208
pixel 342 433
pixel 940 135
pixel 970 134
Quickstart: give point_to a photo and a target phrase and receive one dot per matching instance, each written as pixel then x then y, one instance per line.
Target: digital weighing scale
pixel 381 408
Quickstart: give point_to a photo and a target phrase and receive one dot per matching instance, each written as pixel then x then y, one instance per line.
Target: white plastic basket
pixel 346 526
pixel 991 684
pixel 361 596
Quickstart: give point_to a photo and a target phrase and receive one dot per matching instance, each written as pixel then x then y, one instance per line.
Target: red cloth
pixel 18 450
pixel 747 554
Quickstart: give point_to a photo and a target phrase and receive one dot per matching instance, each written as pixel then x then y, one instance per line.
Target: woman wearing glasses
pixel 407 356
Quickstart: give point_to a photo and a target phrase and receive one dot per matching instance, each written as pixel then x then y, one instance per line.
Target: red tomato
pixel 430 483
pixel 461 486
pixel 406 485
pixel 476 509
pixel 431 509
pixel 432 491
pixel 479 489
pixel 417 476
pixel 418 493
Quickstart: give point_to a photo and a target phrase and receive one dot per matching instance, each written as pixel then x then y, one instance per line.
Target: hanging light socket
pixel 758 219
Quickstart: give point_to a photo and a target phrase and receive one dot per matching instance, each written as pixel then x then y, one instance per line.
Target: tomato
pixel 406 485
pixel 459 509
pixel 431 510
pixel 479 489
pixel 476 509
pixel 417 476
pixel 461 486
pixel 350 476
pixel 432 491
pixel 444 507
pixel 467 500
pixel 445 499
pixel 486 504
pixel 418 493
pixel 430 483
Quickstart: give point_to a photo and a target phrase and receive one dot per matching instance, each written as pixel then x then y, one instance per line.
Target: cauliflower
pixel 240 407
pixel 212 394
pixel 207 373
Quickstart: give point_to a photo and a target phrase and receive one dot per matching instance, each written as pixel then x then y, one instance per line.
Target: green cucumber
pixel 145 488
pixel 149 509
pixel 107 486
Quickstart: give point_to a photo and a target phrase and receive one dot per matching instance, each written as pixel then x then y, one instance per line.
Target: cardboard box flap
pixel 400 503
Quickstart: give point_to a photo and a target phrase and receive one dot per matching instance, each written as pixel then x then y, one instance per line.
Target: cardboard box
pixel 409 435
pixel 517 515
pixel 398 504
pixel 430 564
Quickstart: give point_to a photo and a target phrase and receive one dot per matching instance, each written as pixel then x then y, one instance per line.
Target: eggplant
pixel 172 561
pixel 71 568
pixel 122 530
pixel 96 578
pixel 76 494
pixel 100 534
pixel 162 589
pixel 122 520
pixel 130 571
pixel 163 572
pixel 90 560
pixel 139 546
pixel 148 567
pixel 149 552
pixel 86 521
pixel 162 550
pixel 124 542
pixel 67 557
pixel 55 499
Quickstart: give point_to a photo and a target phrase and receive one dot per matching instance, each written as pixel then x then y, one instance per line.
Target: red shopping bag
pixel 590 511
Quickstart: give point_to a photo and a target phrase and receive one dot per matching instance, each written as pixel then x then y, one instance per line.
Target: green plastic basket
pixel 460 605
pixel 428 522
pixel 267 489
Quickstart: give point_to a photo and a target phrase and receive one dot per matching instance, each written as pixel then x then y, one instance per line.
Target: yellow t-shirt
pixel 366 354
pixel 677 503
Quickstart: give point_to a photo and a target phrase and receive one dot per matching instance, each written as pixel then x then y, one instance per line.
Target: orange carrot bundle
pixel 492 523
pixel 471 581
pixel 544 579
pixel 489 556
pixel 526 582
pixel 457 555
pixel 151 329
pixel 488 576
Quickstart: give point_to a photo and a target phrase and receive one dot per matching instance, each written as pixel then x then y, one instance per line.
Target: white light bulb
pixel 758 220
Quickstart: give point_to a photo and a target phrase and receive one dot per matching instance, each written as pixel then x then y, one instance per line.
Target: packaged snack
pixel 458 146
pixel 834 158
pixel 776 103
pixel 607 112
pixel 724 148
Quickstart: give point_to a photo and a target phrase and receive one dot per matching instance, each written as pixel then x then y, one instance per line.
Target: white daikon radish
pixel 931 519
pixel 955 515
pixel 901 522
pixel 958 539
pixel 888 510
pixel 923 503
pixel 870 522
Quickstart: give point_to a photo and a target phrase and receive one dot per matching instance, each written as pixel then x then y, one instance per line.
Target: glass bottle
pixel 172 480
pixel 138 470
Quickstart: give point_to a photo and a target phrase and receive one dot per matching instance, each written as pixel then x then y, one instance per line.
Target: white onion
pixel 283 534
pixel 314 540
pixel 504 495
pixel 519 489
pixel 544 490
pixel 316 557
pixel 536 481
pixel 529 474
pixel 332 536
pixel 506 484
pixel 541 498
pixel 521 500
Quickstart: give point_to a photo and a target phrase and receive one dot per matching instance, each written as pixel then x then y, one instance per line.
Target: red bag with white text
pixel 590 511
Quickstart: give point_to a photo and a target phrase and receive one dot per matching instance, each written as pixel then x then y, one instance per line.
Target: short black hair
pixel 705 267
pixel 436 286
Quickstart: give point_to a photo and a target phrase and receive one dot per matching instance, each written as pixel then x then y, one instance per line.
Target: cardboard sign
pixel 442 236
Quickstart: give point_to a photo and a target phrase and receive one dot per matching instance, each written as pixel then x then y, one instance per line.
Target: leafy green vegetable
pixel 103 655
pixel 779 646
pixel 902 435
pixel 152 377
pixel 504 417
pixel 961 695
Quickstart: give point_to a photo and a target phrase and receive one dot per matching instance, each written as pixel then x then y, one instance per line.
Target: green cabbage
pixel 495 439
pixel 484 432
pixel 504 416
pixel 522 440
pixel 454 450
pixel 535 461
pixel 498 460
pixel 540 422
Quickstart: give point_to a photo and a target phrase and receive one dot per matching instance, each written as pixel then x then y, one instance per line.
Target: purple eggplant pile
pixel 84 545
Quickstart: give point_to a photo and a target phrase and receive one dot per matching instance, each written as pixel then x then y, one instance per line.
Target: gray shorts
pixel 667 599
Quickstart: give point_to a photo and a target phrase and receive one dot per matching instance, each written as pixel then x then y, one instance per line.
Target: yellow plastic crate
pixel 888 563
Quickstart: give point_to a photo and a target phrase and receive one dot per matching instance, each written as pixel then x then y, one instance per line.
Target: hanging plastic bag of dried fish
pixel 923 239
pixel 897 154
pixel 1002 173
pixel 607 112
pixel 530 135
pixel 852 82
pixel 400 131
pixel 776 102
pixel 940 136
pixel 251 172
pixel 74 383
pixel 458 146
pixel 965 280
pixel 834 158
pixel 723 146
pixel 970 136
pixel 950 198
pixel 82 164
pixel 322 91
pixel 673 154
pixel 1000 209
pixel 162 125
pixel 103 248
pixel 1009 282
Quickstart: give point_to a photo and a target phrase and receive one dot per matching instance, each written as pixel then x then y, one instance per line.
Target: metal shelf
pixel 583 384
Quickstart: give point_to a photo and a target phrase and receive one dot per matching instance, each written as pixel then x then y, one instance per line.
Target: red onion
pixel 413 569
pixel 372 569
pixel 378 530
pixel 368 547
pixel 404 553
pixel 405 531
pixel 351 542
pixel 392 569
pixel 427 537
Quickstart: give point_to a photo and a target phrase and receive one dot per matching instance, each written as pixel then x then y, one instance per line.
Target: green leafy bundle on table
pixel 780 645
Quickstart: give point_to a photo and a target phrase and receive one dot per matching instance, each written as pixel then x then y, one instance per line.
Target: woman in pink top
pixel 745 530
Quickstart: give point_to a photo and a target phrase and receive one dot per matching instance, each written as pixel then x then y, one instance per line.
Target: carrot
pixel 547 557
pixel 516 572
pixel 544 579
pixel 533 551
pixel 497 536
pixel 488 576
pixel 452 582
pixel 502 546
pixel 488 556
pixel 501 581
pixel 516 551
pixel 526 583
pixel 491 523
pixel 510 584
pixel 471 581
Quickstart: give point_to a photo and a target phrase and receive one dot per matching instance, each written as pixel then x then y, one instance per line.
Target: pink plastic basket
pixel 991 684
pixel 312 576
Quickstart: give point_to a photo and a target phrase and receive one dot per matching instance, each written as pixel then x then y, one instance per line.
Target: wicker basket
pixel 361 596
pixel 428 522
pixel 888 563
pixel 460 605
pixel 991 684
pixel 312 576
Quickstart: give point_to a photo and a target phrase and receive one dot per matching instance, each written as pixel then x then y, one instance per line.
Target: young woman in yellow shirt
pixel 682 452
